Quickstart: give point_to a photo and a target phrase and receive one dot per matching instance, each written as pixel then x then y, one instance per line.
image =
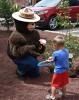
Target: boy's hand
pixel 49 59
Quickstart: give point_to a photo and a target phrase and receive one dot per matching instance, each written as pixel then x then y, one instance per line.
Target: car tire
pixel 52 24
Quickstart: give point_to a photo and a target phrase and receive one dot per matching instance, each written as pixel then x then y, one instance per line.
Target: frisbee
pixel 45 64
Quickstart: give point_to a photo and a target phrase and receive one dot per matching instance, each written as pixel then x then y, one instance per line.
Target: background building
pixel 24 3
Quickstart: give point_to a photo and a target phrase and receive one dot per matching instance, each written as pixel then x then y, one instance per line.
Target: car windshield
pixel 47 3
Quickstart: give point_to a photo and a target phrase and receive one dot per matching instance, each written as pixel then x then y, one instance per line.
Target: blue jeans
pixel 27 65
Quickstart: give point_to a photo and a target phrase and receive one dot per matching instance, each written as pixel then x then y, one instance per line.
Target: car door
pixel 74 8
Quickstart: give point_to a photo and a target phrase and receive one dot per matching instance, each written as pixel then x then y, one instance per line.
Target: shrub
pixel 63 18
pixel 48 51
pixel 7 7
pixel 72 43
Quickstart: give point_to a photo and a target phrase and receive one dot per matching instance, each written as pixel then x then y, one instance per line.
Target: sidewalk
pixel 74 32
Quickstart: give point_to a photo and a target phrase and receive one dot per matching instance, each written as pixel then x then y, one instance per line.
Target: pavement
pixel 74 31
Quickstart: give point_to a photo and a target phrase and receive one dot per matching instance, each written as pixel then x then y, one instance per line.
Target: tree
pixel 7 7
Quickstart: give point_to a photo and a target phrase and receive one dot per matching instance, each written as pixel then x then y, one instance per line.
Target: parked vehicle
pixel 48 9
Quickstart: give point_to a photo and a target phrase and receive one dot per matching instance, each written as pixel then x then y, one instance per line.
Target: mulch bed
pixel 11 88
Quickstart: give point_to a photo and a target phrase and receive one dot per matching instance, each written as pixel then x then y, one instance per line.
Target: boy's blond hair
pixel 59 40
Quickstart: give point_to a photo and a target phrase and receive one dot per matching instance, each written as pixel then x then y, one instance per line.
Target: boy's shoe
pixel 50 97
pixel 59 93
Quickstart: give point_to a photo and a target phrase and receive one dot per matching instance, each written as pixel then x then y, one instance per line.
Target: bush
pixel 72 43
pixel 48 51
pixel 63 17
pixel 7 7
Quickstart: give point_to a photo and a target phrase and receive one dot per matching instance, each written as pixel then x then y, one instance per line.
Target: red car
pixel 48 9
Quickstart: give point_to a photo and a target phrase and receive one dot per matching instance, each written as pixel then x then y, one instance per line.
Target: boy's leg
pixel 51 96
pixel 53 91
pixel 64 90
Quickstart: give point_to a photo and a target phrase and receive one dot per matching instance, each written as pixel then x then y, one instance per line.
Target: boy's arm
pixel 52 58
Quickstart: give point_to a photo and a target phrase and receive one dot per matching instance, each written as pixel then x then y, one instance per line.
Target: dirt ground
pixel 11 88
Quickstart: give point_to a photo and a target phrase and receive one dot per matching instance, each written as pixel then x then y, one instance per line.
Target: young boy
pixel 60 57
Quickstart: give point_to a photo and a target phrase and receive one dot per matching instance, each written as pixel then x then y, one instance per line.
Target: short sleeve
pixel 54 56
